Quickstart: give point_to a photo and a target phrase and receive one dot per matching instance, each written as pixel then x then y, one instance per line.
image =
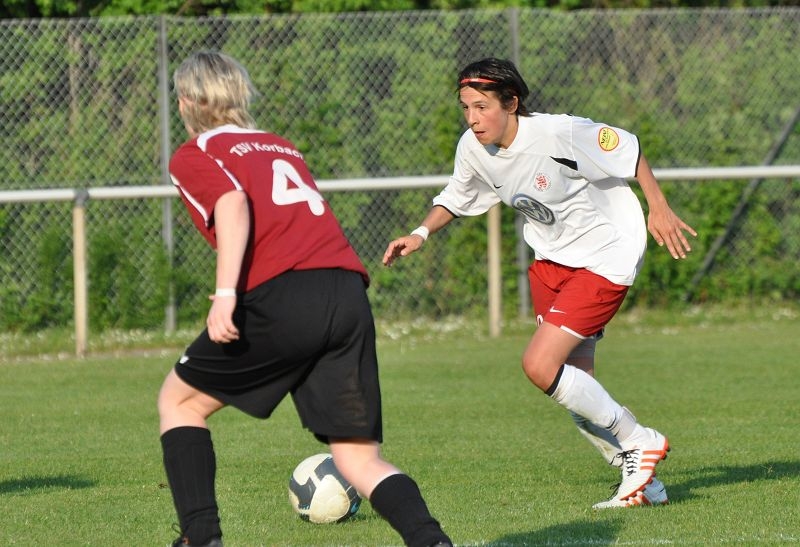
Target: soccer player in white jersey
pixel 567 175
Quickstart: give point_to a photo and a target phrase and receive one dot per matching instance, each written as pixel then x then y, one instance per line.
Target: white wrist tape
pixel 225 292
pixel 422 232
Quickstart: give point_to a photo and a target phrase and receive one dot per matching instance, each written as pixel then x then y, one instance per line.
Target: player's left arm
pixel 662 222
pixel 232 228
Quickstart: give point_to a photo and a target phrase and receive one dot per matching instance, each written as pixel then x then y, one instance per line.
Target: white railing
pixel 386 183
pixel 79 197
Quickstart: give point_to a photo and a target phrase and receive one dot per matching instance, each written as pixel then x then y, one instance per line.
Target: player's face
pixel 485 115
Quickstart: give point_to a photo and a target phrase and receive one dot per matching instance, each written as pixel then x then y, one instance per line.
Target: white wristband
pixel 422 232
pixel 225 292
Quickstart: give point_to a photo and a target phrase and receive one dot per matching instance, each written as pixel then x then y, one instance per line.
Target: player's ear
pixel 513 105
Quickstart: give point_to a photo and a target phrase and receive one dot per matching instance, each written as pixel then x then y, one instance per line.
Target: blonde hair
pixel 216 90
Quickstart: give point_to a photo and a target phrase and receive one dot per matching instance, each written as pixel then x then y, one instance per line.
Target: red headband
pixel 477 81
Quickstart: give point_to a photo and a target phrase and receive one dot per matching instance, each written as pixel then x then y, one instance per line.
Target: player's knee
pixel 528 366
pixel 165 400
pixel 536 370
pixel 361 464
pixel 167 404
pixel 175 405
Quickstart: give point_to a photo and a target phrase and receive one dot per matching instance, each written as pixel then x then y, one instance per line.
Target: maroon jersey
pixel 292 226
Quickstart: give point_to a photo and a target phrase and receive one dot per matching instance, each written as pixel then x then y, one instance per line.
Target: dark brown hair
pixel 499 76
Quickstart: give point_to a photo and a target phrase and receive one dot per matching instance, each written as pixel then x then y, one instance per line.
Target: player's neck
pixel 510 133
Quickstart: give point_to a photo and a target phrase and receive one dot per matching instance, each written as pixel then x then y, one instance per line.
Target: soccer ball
pixel 319 493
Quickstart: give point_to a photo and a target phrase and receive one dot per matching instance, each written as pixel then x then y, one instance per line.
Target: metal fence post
pixel 523 254
pixel 80 276
pixel 170 321
pixel 495 271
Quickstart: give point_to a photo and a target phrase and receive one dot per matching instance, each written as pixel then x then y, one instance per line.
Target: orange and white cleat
pixel 655 493
pixel 640 454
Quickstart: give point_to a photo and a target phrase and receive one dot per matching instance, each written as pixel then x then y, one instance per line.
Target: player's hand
pixel 402 246
pixel 220 319
pixel 668 229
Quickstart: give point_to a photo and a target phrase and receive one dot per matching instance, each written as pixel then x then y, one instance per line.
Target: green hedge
pixel 371 95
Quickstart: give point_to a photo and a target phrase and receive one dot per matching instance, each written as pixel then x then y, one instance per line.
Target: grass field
pixel 500 464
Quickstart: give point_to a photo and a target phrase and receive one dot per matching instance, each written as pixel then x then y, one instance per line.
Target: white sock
pixel 600 438
pixel 583 395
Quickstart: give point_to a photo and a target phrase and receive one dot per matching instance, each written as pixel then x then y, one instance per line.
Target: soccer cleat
pixel 640 454
pixel 654 493
pixel 213 542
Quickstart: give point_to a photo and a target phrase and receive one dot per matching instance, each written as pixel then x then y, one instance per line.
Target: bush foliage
pixel 83 82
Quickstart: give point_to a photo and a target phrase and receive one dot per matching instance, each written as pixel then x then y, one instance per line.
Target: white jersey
pixel 567 176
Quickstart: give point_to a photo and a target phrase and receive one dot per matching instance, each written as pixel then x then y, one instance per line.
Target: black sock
pixel 191 468
pixel 397 499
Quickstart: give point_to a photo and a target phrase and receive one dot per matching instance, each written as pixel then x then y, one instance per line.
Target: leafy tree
pixel 95 8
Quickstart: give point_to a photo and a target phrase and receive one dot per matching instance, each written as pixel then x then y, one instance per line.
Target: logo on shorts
pixel 541 182
pixel 608 139
pixel 533 209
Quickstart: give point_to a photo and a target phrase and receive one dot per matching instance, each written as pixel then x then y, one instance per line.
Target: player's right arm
pixel 438 217
pixel 232 221
pixel 665 226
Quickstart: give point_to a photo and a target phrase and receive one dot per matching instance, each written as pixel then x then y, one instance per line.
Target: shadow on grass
pixel 602 532
pixel 582 532
pixel 731 474
pixel 30 485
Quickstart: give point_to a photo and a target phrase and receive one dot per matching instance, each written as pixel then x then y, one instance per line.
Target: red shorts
pixel 574 299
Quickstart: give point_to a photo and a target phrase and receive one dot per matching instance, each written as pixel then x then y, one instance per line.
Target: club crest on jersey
pixel 608 139
pixel 533 209
pixel 541 182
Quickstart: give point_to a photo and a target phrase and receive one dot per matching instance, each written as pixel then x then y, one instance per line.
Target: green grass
pixel 499 463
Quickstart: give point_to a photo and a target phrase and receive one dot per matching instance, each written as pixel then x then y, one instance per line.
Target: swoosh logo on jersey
pixel 553 310
pixel 496 186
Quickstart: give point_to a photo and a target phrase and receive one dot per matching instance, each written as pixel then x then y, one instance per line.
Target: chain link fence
pixel 87 103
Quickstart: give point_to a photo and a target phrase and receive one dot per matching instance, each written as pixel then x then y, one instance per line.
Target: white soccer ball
pixel 319 493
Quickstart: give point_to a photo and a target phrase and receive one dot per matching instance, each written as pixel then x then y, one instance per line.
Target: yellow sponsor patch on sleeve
pixel 608 139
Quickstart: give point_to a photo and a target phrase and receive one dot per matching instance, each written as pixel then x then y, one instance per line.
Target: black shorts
pixel 308 333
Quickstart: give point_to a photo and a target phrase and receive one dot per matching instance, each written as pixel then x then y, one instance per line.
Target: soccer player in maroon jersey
pixel 290 313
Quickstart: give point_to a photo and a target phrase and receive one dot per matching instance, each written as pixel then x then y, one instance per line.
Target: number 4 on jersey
pixel 283 194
